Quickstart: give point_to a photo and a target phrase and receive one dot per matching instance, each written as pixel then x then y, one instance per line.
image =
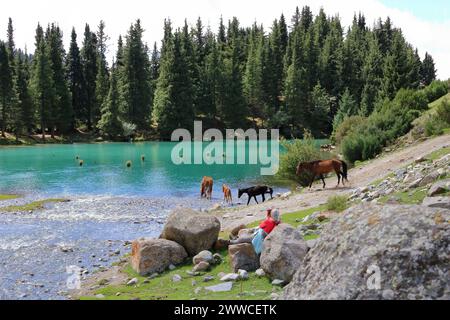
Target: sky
pixel 425 24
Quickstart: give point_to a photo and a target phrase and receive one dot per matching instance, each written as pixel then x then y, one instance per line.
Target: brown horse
pixel 227 194
pixel 321 167
pixel 207 188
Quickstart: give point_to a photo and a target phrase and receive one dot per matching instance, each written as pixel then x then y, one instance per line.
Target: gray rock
pixel 155 255
pixel 203 256
pixel 193 230
pixel 260 273
pixel 430 178
pixel 208 278
pixel 243 256
pixel 311 243
pixel 243 274
pixel 439 187
pixel 176 278
pixel 283 253
pixel 437 202
pixel 172 267
pixel 278 282
pixel 407 245
pixel 201 266
pixel 222 287
pixel 230 277
pixel 132 282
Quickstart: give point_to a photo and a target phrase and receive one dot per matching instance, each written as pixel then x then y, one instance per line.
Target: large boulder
pixel 193 230
pixel 378 252
pixel 243 256
pixel 283 253
pixel 439 187
pixel 437 202
pixel 155 255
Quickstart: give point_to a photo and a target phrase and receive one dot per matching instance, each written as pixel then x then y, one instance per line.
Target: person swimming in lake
pixel 265 228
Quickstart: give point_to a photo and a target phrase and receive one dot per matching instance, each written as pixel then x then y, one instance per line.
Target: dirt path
pixel 359 177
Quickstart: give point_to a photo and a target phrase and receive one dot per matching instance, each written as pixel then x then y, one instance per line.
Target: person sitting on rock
pixel 259 233
pixel 265 228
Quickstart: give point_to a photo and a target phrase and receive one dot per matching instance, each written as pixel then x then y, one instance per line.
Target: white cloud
pixel 118 14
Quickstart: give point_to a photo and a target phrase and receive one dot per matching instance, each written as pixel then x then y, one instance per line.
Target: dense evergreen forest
pixel 304 72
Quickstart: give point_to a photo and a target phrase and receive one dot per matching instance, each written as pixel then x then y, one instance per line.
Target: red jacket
pixel 268 225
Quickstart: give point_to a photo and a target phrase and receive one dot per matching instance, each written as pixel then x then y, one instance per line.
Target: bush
pixel 391 120
pixel 443 111
pixel 296 151
pixel 436 90
pixel 347 126
pixel 436 123
pixel 337 203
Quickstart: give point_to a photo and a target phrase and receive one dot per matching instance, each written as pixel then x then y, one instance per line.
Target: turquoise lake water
pixel 54 170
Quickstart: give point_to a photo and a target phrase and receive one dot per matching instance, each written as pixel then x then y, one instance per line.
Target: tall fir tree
pixel 110 124
pixel 8 94
pixel 173 107
pixel 77 85
pixel 42 84
pixel 26 110
pixel 102 79
pixel 62 109
pixel 135 86
pixel 428 70
pixel 90 70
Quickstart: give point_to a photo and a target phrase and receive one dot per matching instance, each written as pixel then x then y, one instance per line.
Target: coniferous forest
pixel 302 72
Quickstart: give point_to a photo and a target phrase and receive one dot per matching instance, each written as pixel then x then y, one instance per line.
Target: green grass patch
pixel 438 154
pixel 8 196
pixel 414 196
pixel 32 206
pixel 337 203
pixel 294 217
pixel 163 288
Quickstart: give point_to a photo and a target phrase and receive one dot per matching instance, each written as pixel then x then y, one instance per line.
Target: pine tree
pixel 11 44
pixel 110 124
pixel 252 80
pixel 8 95
pixel 76 82
pixel 428 70
pixel 173 107
pixel 297 93
pixel 90 69
pixel 154 66
pixel 135 87
pixel 25 118
pixel 320 115
pixel 62 109
pixel 372 77
pixel 42 83
pixel 347 108
pixel 102 79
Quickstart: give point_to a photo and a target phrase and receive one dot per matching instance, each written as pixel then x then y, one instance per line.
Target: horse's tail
pixel 344 170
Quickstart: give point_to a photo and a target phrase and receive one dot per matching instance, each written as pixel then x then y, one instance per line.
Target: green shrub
pixel 443 111
pixel 434 126
pixel 391 120
pixel 347 126
pixel 435 90
pixel 337 203
pixel 296 151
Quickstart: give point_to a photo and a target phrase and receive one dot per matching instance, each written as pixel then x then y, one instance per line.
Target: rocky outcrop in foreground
pixel 193 230
pixel 378 252
pixel 284 251
pixel 155 255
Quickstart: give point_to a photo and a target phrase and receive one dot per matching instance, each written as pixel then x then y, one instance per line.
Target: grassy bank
pixel 8 196
pixel 32 206
pixel 163 288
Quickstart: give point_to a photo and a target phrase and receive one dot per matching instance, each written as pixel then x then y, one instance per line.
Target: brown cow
pixel 227 194
pixel 207 187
